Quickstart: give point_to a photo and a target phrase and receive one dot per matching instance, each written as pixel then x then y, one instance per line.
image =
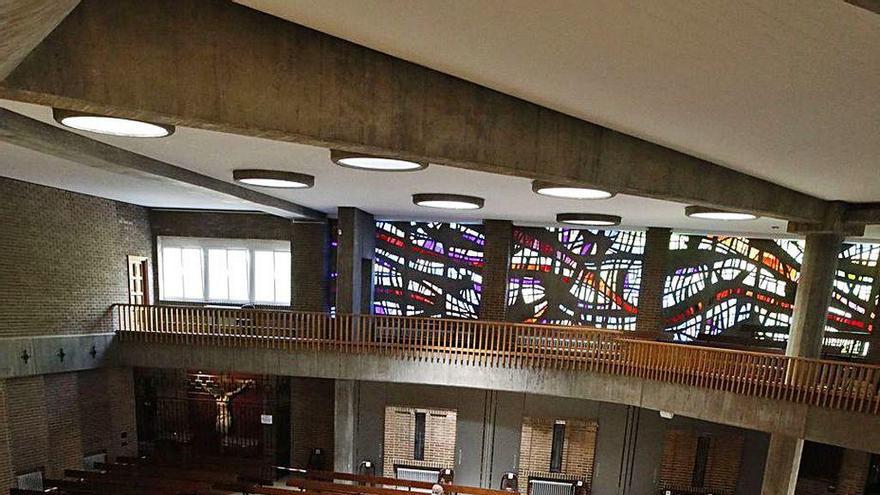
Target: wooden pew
pixel 382 480
pixel 151 483
pixel 177 473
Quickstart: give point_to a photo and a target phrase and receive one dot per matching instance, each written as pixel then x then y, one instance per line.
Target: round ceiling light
pixel 111 126
pixel 363 161
pixel 273 178
pixel 448 201
pixel 568 192
pixel 588 219
pixel 705 213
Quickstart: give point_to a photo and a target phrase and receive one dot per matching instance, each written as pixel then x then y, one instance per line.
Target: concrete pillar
pixel 496 255
pixel 782 465
pixel 354 261
pixel 813 295
pixel 309 270
pixel 649 321
pixel 804 340
pixel 345 426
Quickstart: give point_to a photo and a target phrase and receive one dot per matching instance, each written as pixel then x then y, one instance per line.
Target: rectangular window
pixel 701 460
pixel 419 441
pixel 557 446
pixel 224 270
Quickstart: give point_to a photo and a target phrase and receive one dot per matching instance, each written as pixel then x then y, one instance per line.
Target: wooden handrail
pixel 824 383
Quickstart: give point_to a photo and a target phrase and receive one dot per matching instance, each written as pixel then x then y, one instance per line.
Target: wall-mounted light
pixel 363 161
pixel 448 201
pixel 568 192
pixel 111 126
pixel 588 219
pixel 706 213
pixel 273 178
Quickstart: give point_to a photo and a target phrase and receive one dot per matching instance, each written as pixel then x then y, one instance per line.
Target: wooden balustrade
pixel 832 384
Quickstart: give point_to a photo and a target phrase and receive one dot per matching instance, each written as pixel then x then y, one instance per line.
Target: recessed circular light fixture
pixel 273 178
pixel 362 161
pixel 588 219
pixel 111 126
pixel 448 201
pixel 705 213
pixel 568 192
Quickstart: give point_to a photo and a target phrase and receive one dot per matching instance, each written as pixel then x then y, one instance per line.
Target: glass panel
pixel 172 274
pixel 237 260
pixel 264 276
pixel 282 277
pixel 192 273
pixel 218 286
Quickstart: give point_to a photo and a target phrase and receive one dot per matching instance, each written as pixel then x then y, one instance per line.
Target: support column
pixel 354 261
pixel 649 321
pixel 782 465
pixel 309 270
pixel 804 340
pixel 813 295
pixel 345 426
pixel 496 257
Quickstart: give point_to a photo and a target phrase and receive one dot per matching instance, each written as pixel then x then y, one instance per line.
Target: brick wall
pixel 51 421
pixel 851 478
pixel 309 267
pixel 496 255
pixel 6 473
pixel 311 419
pixel 64 259
pixel 399 440
pixel 722 466
pixel 536 444
pixel 650 317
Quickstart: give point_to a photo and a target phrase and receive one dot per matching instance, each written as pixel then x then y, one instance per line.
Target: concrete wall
pixel 629 442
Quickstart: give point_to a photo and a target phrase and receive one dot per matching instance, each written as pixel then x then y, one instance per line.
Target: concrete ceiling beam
pixel 29 133
pixel 25 24
pixel 865 213
pixel 222 66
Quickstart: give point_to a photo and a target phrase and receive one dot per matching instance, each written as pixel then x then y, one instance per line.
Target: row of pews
pixel 139 476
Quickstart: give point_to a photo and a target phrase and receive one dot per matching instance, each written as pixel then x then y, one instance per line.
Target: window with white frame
pixel 224 270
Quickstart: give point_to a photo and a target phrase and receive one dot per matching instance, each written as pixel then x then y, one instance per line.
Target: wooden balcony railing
pixel 832 384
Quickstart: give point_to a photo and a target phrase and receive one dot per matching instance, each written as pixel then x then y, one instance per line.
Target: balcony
pixel 825 384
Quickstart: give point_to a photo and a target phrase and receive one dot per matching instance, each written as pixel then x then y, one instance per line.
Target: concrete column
pixel 354 261
pixel 496 255
pixel 649 321
pixel 804 340
pixel 309 270
pixel 813 295
pixel 345 426
pixel 782 465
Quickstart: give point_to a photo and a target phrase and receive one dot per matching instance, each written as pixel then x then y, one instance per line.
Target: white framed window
pixel 237 271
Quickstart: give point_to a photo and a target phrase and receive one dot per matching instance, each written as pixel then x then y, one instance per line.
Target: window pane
pixel 264 276
pixel 218 285
pixel 172 274
pixel 282 277
pixel 192 273
pixel 237 260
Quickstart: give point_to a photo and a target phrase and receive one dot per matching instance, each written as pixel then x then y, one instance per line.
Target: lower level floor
pixel 536 444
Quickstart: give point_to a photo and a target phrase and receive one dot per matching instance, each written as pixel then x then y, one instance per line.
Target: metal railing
pixel 832 384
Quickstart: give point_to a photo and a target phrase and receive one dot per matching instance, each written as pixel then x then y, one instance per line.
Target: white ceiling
pixel 785 90
pixel 388 196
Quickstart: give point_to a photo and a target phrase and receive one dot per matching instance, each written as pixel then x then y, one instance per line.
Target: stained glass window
pixel 575 277
pixel 428 269
pixel 716 284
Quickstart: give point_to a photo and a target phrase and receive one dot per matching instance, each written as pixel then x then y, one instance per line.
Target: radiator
pixel 546 487
pixel 30 481
pixel 430 475
pixel 89 461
